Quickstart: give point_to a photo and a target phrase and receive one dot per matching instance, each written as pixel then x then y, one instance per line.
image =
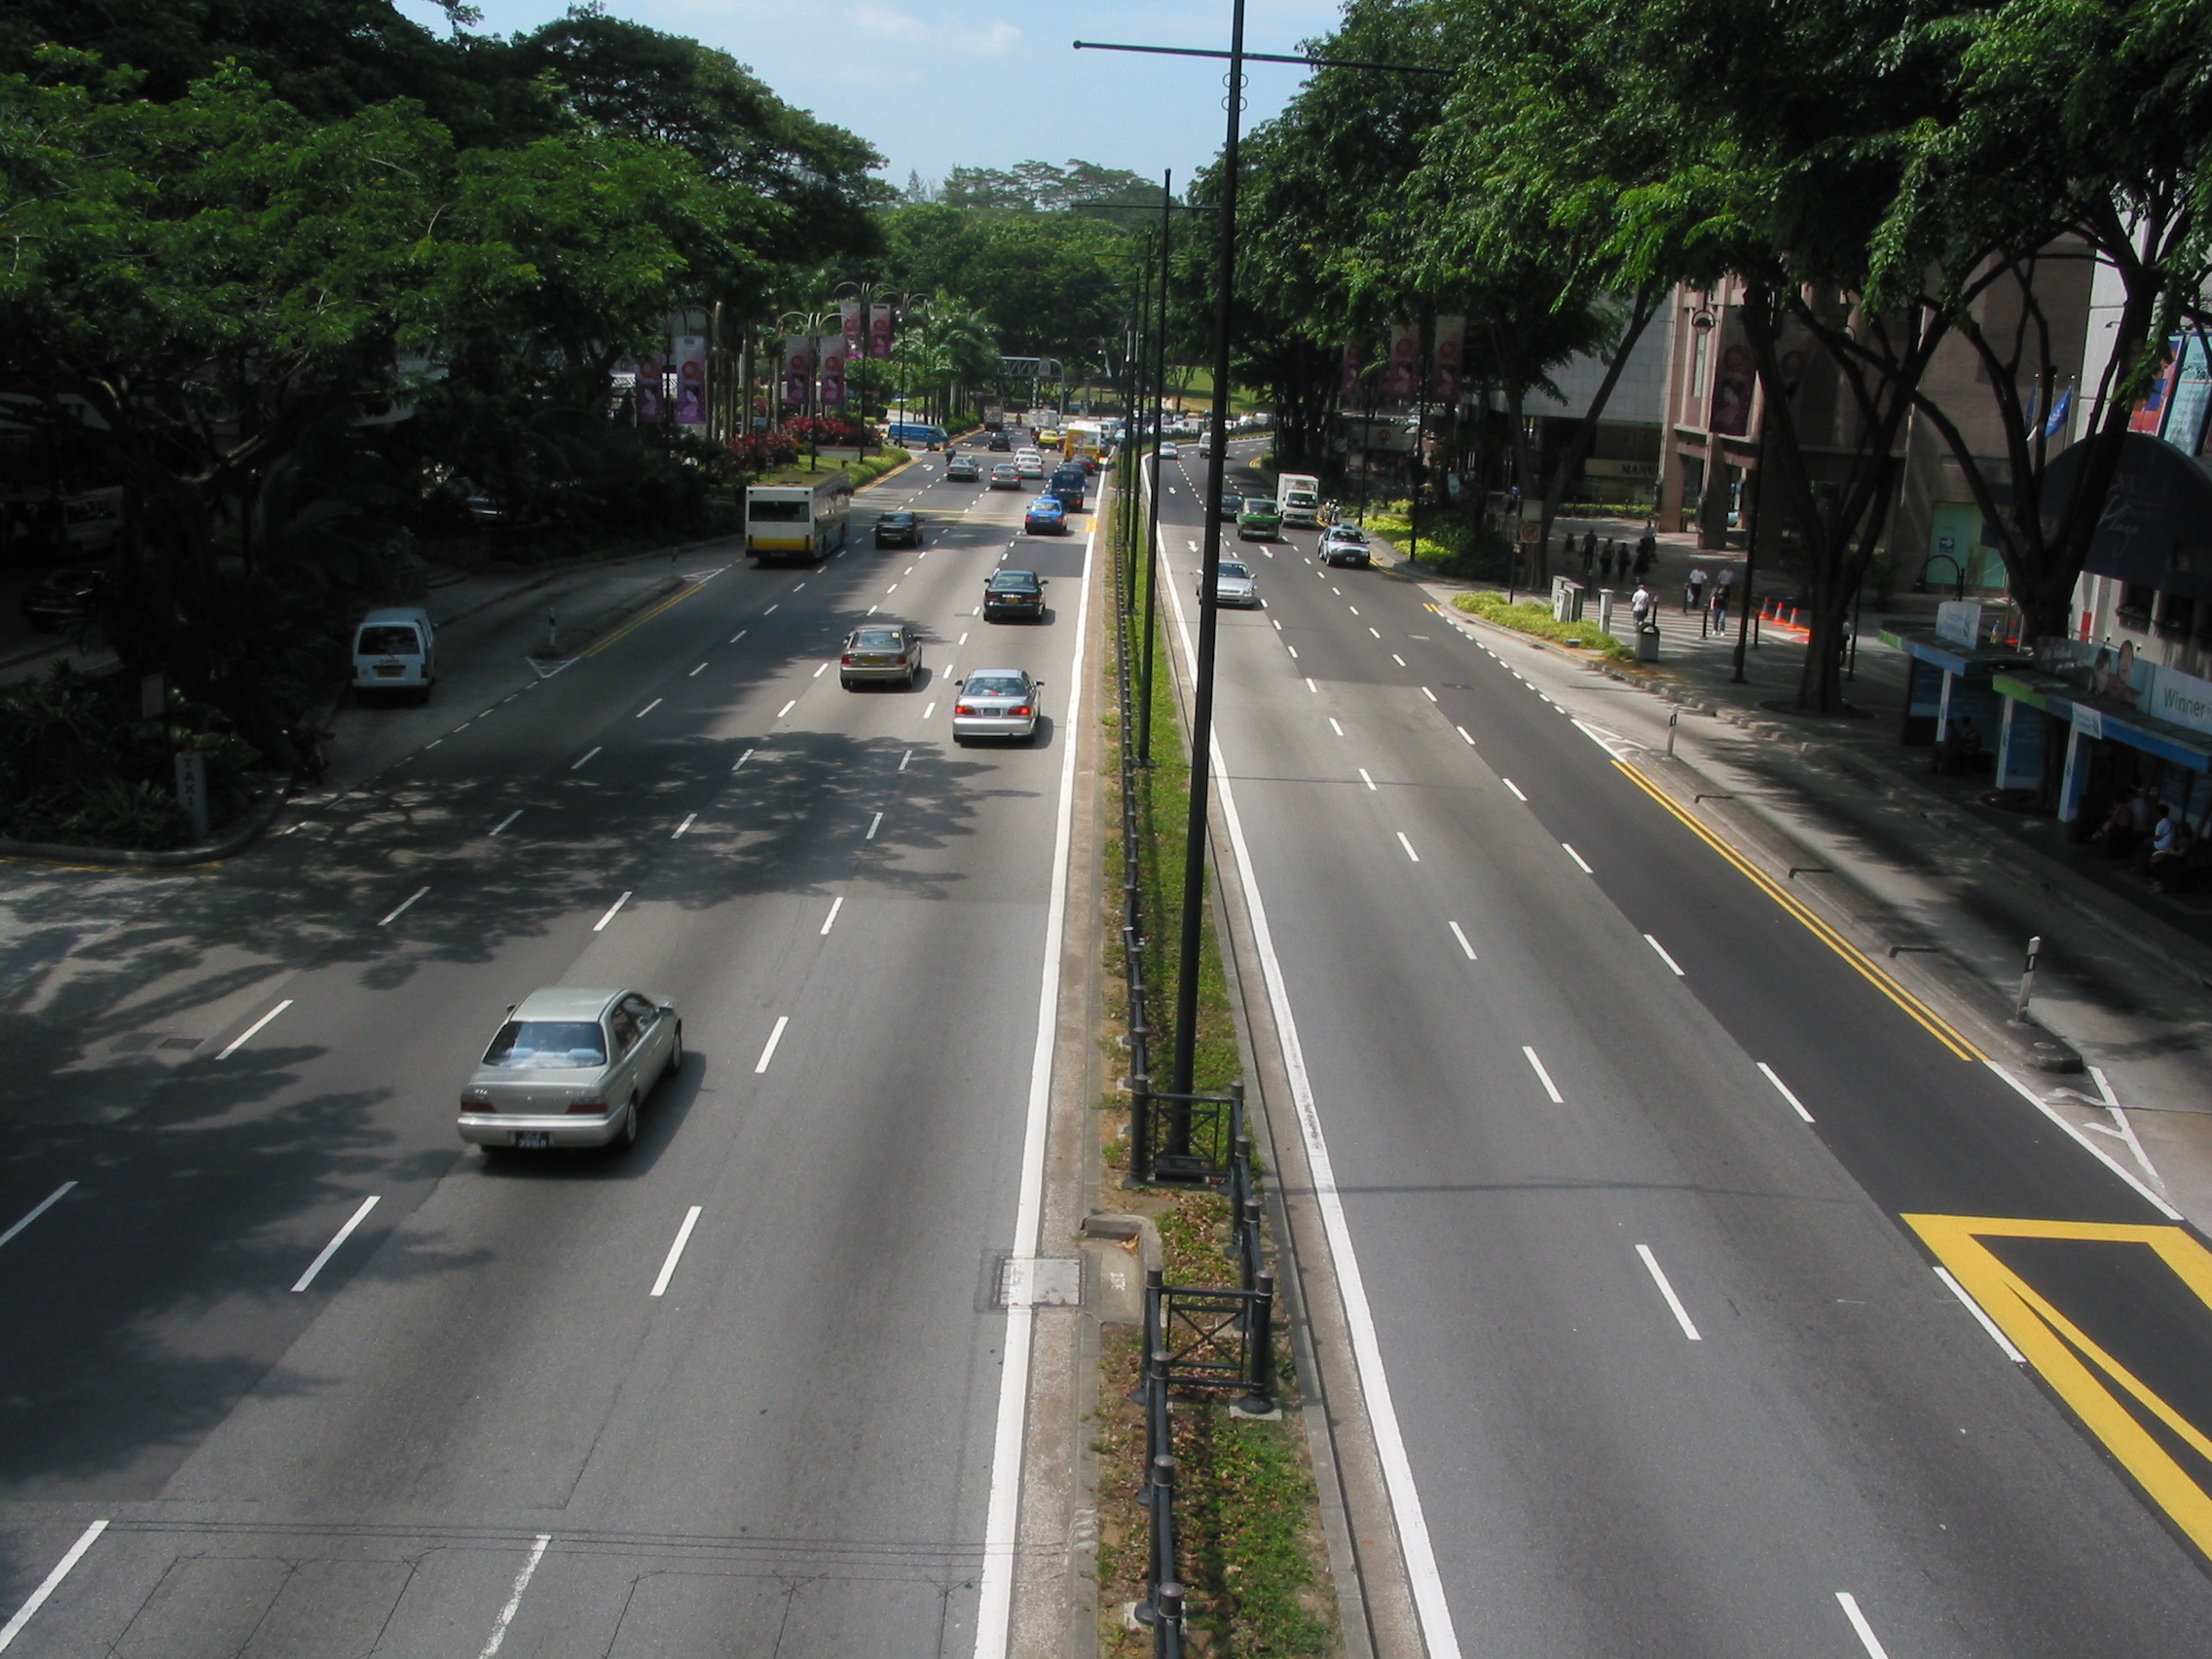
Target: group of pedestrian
pixel 1695 598
pixel 1602 559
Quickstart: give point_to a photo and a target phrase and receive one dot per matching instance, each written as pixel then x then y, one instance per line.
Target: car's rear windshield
pixel 878 640
pixel 1347 535
pixel 777 512
pixel 544 1045
pixel 895 518
pixel 394 641
pixel 1014 581
pixel 994 686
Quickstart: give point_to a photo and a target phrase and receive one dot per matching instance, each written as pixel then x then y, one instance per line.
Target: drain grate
pixel 181 1042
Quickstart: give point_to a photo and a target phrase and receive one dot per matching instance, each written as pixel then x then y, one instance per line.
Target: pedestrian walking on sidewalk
pixel 1588 542
pixel 1693 590
pixel 1647 551
pixel 1606 564
pixel 1643 603
pixel 1588 555
pixel 1721 586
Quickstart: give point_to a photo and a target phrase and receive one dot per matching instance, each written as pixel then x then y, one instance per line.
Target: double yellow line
pixel 1922 1014
pixel 643 617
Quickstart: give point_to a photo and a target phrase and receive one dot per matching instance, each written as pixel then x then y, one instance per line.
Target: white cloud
pixel 941 34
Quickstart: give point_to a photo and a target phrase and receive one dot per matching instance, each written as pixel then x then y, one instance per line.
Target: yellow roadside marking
pixel 645 616
pixel 2063 1354
pixel 1922 1014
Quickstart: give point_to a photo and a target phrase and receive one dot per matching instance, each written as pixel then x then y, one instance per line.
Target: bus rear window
pixel 777 512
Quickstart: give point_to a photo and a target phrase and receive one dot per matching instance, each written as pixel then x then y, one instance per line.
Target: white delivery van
pixel 395 651
pixel 1298 497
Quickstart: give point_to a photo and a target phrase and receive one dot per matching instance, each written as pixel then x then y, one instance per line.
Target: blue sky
pixel 938 86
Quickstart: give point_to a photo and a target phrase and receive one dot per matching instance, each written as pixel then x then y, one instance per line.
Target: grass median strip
pixel 1252 1553
pixel 1533 617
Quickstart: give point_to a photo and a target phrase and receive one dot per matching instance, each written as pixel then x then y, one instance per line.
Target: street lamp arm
pixel 1269 57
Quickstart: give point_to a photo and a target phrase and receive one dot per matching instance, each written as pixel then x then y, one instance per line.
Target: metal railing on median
pixel 1199 1341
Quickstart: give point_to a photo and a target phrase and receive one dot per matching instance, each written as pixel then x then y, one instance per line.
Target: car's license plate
pixel 874 662
pixel 389 671
pixel 533 1139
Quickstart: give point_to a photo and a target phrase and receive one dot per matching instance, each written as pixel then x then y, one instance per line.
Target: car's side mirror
pixel 667 1008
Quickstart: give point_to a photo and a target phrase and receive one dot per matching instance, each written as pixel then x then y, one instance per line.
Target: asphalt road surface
pixel 1647 1183
pixel 312 1380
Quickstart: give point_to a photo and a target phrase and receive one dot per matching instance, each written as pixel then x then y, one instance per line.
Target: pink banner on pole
pixel 650 395
pixel 798 371
pixel 879 331
pixel 1401 376
pixel 849 321
pixel 1446 365
pixel 689 360
pixel 832 372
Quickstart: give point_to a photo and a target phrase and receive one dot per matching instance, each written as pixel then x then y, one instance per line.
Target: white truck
pixel 1298 499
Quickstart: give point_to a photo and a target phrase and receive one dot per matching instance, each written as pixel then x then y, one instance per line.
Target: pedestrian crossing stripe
pixel 2095 1384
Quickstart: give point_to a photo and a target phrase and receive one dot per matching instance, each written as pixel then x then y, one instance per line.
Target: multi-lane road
pixel 1641 1181
pixel 290 1372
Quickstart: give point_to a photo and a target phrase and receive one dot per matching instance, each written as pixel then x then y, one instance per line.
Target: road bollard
pixel 1260 1393
pixel 2027 980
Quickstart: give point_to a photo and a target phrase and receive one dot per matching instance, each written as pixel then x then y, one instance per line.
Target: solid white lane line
pixel 676 1251
pixel 1990 1326
pixel 588 754
pixel 817 672
pixel 831 920
pixel 1663 956
pixel 1462 731
pixel 1784 1090
pixel 248 1034
pixel 1409 846
pixel 49 1584
pixel 1578 859
pixel 1333 727
pixel 38 1209
pixel 787 708
pixel 1673 1302
pixel 1462 939
pixel 1426 693
pixel 696 673
pixel 742 759
pixel 1865 1632
pixel 689 819
pixel 2087 1145
pixel 331 1249
pixel 514 1597
pixel 404 906
pixel 1365 779
pixel 873 825
pixel 600 925
pixel 929 711
pixel 995 1595
pixel 504 821
pixel 903 758
pixel 1511 784
pixel 1543 1076
pixel 774 1037
pixel 649 708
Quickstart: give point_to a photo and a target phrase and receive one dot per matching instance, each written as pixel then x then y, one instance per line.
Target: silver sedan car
pixel 1237 587
pixel 571 1066
pixel 889 651
pixel 996 702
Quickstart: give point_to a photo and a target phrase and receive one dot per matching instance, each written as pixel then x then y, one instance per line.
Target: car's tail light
pixel 967 709
pixel 476 1100
pixel 899 658
pixel 591 1104
pixel 845 662
pixel 1022 713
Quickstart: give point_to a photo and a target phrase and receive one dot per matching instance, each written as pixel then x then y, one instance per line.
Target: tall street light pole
pixel 1151 505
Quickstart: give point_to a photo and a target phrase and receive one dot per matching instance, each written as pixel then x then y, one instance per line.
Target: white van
pixel 395 650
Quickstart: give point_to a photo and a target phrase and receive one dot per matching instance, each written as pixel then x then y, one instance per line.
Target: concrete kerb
pixel 230 843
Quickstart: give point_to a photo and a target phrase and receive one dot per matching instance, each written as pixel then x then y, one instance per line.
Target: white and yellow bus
pixel 798 521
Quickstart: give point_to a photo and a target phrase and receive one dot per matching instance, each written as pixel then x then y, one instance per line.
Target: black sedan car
pixel 899 529
pixel 66 598
pixel 1013 594
pixel 1001 443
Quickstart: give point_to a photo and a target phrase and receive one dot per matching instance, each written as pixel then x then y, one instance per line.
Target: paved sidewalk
pixel 1923 865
